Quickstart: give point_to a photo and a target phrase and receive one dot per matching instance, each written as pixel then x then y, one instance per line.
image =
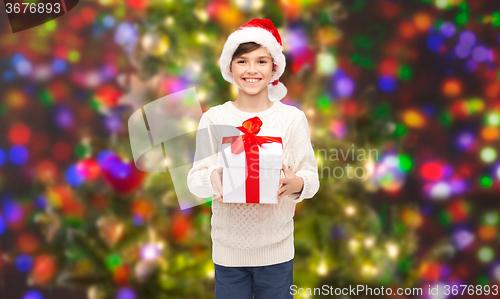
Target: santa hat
pixel 264 33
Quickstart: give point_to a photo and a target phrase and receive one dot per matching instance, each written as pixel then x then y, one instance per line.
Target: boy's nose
pixel 251 68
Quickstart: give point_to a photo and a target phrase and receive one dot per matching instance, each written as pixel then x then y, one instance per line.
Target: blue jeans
pixel 266 282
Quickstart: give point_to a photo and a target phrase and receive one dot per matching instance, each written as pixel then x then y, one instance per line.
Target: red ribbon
pixel 250 142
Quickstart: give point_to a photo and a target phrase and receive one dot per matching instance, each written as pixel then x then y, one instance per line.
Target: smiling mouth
pixel 252 81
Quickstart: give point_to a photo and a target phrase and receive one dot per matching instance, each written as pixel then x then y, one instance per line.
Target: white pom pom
pixel 276 92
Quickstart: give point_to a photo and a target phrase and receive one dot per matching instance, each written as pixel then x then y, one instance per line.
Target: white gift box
pixel 235 172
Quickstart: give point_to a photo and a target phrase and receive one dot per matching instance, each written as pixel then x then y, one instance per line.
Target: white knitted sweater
pixel 245 235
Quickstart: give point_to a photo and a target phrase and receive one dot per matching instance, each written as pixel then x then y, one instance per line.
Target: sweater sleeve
pixel 205 160
pixel 305 164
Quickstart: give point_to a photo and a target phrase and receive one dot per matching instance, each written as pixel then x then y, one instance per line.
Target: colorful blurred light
pixel 430 271
pixel 467 38
pixel 463 238
pixel 113 123
pixel 113 261
pixel 2 157
pixel 485 254
pixel 496 272
pixel 24 262
pixel 24 67
pixel 64 117
pixel 487 232
pixel 432 171
pixel 471 65
pixel 338 128
pixel 413 118
pixel 126 293
pixel 459 210
pixel 27 243
pixel 73 176
pixel 447 29
pixel 18 154
pixel 435 42
pixel 462 51
pixel 493 118
pixel 488 154
pixel 102 156
pixel 59 66
pixel 125 34
pixel 40 202
pixel 117 167
pixel 13 212
pixel 490 133
pixel 412 218
pixel 150 252
pixel 9 76
pixel 491 218
pixel 458 186
pixel 481 54
pixel 422 21
pixel 344 86
pixel 388 67
pixel 387 83
pixel 108 21
pixel 388 174
pixel 19 134
pixel 33 295
pixel 43 269
pixel 88 168
pixel 452 87
pixel 3 225
pixel 485 181
pixel 440 191
pixel 326 64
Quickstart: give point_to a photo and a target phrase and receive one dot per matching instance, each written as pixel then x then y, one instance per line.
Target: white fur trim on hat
pixel 265 39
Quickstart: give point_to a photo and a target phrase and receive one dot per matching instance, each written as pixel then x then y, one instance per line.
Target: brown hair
pixel 244 48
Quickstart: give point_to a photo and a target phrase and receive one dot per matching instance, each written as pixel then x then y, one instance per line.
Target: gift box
pixel 252 159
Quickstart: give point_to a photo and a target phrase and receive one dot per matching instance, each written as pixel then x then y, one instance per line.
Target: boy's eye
pixel 259 61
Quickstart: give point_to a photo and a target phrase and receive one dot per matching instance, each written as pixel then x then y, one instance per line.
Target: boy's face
pixel 256 65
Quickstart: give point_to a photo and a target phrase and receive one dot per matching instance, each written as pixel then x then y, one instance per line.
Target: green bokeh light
pixel 46 98
pixel 324 103
pixel 113 261
pixel 74 56
pixel 485 254
pixel 495 19
pixel 405 163
pixel 405 72
pixel 493 119
pixel 486 181
pixel 400 130
pixel 462 18
pixel 491 218
pixel 488 154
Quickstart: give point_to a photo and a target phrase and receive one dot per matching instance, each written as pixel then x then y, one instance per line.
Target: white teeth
pixel 252 80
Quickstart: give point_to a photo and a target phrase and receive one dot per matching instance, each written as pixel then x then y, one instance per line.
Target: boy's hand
pixel 216 178
pixel 290 183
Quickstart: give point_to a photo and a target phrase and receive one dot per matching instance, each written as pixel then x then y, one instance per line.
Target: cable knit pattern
pixel 246 235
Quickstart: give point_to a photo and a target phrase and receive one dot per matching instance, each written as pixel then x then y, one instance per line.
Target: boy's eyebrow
pixel 260 57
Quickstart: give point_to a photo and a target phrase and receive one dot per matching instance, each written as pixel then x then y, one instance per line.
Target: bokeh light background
pixel 432 67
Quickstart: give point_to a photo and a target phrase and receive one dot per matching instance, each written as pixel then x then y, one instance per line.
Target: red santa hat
pixel 264 33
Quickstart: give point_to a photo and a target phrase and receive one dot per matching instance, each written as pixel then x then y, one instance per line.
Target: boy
pixel 253 246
